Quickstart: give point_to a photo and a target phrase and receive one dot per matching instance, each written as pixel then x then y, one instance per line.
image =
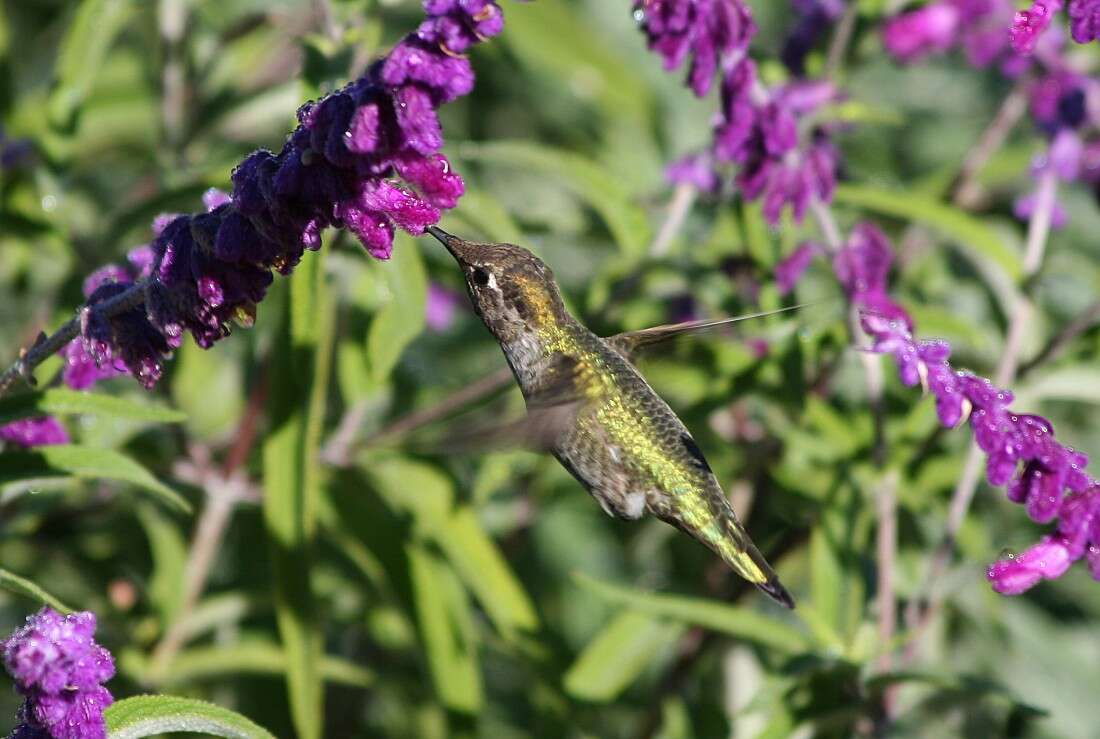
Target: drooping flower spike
pixel 365 158
pixel 756 129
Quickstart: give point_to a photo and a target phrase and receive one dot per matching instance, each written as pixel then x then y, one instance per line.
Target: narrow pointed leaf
pixel 63 401
pixel 733 620
pixel 617 655
pixel 486 573
pixel 292 479
pixel 18 585
pixel 86 462
pixel 443 615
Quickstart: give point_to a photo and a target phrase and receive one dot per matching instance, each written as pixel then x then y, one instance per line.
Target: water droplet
pixel 49 203
pixel 639 15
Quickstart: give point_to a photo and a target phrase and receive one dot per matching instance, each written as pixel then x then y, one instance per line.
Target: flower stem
pixel 885 490
pixel 46 346
pixel 922 611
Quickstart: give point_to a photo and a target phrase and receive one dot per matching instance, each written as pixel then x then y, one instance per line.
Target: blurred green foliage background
pixel 485 594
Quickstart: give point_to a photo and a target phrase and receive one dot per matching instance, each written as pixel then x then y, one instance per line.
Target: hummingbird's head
pixel 512 290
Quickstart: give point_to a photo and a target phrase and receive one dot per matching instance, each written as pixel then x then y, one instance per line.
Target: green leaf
pixel 486 573
pixel 414 488
pixel 446 630
pixel 86 462
pixel 152 715
pixel 402 318
pixel 63 401
pixel 13 583
pixel 250 657
pixel 733 620
pixel 1077 383
pixel 82 51
pixel 292 481
pixel 617 656
pixel 977 242
pixel 484 212
pixel 589 181
pixel 169 553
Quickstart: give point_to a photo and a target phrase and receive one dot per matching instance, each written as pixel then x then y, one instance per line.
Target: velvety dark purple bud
pixel 103 275
pixel 127 337
pixel 330 126
pixel 1049 559
pixel 173 250
pixel 236 239
pixel 433 176
pixel 247 177
pixel 363 130
pixel 417 119
pixel 1084 17
pixel 215 198
pixel 32 432
pixel 447 77
pixel 406 209
pixel 1028 25
pixel 918 33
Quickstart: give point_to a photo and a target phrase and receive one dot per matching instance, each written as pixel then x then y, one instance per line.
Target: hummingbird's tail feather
pixel 745 559
pixel 776 591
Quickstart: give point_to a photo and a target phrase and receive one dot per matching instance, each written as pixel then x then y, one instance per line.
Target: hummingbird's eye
pixel 481 277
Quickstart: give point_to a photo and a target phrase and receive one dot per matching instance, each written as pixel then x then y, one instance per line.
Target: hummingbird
pixel 588 405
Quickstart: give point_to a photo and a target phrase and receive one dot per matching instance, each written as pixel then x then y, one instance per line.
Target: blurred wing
pixel 552 408
pixel 631 343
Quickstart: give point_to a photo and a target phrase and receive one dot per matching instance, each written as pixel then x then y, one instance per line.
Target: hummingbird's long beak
pixel 452 242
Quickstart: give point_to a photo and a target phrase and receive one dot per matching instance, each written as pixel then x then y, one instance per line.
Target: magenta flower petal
pixel 1049 559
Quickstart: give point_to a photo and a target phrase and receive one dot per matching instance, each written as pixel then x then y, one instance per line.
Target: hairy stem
pixel 46 346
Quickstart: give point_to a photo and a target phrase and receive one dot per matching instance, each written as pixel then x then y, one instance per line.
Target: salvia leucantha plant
pixel 919 177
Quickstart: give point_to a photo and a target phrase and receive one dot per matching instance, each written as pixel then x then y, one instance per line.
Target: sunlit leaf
pixel 443 614
pixel 153 715
pixel 486 573
pixel 617 655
